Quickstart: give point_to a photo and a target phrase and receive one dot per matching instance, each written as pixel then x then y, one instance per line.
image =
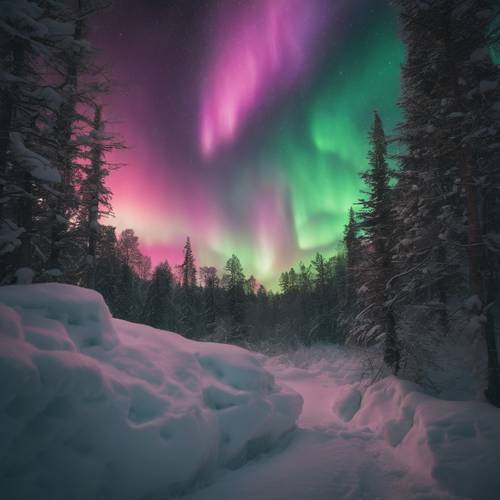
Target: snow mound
pixel 454 443
pixel 81 313
pixel 92 407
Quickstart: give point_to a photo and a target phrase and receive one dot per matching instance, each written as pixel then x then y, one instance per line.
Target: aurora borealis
pixel 246 122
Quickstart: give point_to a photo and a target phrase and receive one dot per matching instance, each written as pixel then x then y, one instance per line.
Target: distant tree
pixel 188 296
pixel 352 248
pixel 128 249
pixel 284 282
pixel 251 285
pixel 108 267
pixel 234 281
pixel 131 292
pixel 126 304
pixel 157 310
pixel 188 278
pixel 144 268
pixel 323 308
pixel 210 282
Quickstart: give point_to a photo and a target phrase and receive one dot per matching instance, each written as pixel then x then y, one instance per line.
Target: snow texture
pixel 363 440
pixel 38 166
pixel 92 407
pixel 9 236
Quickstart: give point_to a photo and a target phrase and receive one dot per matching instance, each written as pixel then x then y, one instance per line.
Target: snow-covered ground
pixel 357 440
pixel 97 408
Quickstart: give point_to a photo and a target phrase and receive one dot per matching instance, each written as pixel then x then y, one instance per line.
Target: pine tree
pixel 64 204
pixel 95 197
pixel 284 282
pixel 108 267
pixel 129 301
pixel 234 282
pixel 128 248
pixel 375 221
pixel 43 53
pixel 426 196
pixel 352 247
pixel 29 36
pixel 322 327
pixel 251 285
pixel 211 283
pixel 474 88
pixel 188 296
pixel 188 279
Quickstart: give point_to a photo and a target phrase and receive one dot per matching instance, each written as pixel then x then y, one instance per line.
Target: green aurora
pixel 321 165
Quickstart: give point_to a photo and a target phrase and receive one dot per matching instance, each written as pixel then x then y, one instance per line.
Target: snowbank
pixel 92 407
pixel 456 443
pixel 437 448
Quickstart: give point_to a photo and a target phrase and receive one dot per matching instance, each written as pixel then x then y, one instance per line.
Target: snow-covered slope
pixel 97 408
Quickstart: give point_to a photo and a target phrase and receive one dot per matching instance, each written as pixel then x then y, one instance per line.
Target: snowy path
pixel 322 460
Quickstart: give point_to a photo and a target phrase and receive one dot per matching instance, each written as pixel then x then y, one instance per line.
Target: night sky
pixel 246 122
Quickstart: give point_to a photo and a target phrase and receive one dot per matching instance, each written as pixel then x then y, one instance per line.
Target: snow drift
pixel 454 443
pixel 412 445
pixel 92 407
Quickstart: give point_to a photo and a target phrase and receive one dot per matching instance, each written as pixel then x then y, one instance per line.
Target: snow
pixel 362 440
pixel 38 166
pixel 9 236
pixel 130 412
pixel 126 411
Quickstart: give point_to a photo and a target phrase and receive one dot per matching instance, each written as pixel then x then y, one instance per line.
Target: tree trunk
pixel 476 284
pixel 26 222
pixel 474 240
pixel 391 345
pixel 492 391
pixel 64 129
pixel 442 293
pixel 490 271
pixel 8 101
pixel 92 244
pixel 6 109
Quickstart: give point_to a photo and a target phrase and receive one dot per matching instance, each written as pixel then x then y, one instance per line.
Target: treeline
pixel 224 306
pixel 53 142
pixel 423 246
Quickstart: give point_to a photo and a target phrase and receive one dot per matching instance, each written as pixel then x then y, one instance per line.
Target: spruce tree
pixel 188 278
pixel 29 41
pixel 108 267
pixel 234 281
pixel 377 318
pixel 211 283
pixel 352 248
pixel 95 197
